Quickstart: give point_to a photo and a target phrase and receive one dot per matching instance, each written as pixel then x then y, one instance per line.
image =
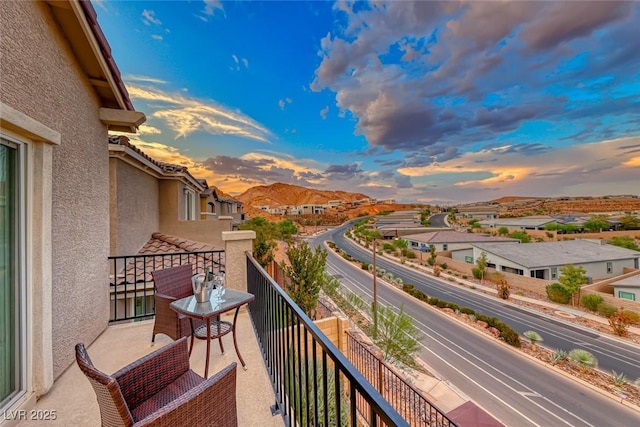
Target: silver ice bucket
pixel 201 288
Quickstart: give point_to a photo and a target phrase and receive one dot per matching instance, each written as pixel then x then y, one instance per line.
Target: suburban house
pixel 61 94
pixel 627 288
pixel 524 223
pixel 214 206
pixel 543 260
pixel 478 213
pixel 459 243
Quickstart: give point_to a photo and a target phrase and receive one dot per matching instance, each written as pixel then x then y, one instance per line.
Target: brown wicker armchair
pixel 161 390
pixel 171 284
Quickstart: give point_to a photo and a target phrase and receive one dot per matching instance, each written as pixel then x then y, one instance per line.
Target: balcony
pixel 295 375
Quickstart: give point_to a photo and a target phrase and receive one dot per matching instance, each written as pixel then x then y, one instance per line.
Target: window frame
pixel 553 273
pixel 609 267
pixel 20 228
pixel 189 204
pixel 631 294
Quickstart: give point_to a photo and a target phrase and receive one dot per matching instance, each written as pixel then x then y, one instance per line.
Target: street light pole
pixel 375 293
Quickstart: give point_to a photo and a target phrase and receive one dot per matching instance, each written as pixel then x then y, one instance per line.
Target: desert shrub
pixel 388 276
pixel 365 266
pixel 558 356
pixel 606 310
pixel 583 358
pixel 465 277
pixel 477 273
pixel 444 266
pixel 407 287
pixel 431 262
pixel 618 378
pixel 399 281
pixel 556 293
pixel 467 310
pixel 591 301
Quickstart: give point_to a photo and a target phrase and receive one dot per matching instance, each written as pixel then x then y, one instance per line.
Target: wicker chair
pixel 161 390
pixel 171 284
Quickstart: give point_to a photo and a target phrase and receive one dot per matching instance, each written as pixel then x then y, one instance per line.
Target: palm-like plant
pixel 534 337
pixel 619 378
pixel 558 356
pixel 583 358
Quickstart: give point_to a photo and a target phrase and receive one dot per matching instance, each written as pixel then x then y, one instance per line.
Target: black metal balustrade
pixel 131 286
pixel 315 384
pixel 404 397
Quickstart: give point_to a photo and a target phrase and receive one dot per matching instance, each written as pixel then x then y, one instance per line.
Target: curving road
pixel 508 385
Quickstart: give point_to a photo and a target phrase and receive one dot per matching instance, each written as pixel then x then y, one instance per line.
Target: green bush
pixel 556 293
pixel 444 266
pixel 465 277
pixel 592 301
pixel 407 287
pixel 477 273
pixel 467 310
pixel 606 310
pixel 364 266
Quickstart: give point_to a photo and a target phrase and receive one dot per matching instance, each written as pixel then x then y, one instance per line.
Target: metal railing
pixel 131 286
pixel 404 397
pixel 315 384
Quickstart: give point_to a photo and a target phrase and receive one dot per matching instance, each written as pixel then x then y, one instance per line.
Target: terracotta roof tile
pixel 169 252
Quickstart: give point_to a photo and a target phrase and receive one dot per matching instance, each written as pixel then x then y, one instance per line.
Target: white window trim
pixel 189 204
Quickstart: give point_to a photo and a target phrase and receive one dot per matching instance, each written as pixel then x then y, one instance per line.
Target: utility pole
pixel 375 293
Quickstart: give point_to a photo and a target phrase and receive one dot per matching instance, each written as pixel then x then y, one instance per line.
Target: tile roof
pixel 165 167
pixel 164 251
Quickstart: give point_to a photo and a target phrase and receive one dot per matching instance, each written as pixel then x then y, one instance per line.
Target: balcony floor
pixel 75 403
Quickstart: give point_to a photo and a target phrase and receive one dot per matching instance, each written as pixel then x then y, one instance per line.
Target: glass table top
pixel 216 305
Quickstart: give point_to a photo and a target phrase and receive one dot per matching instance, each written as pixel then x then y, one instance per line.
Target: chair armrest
pixel 210 403
pixel 150 374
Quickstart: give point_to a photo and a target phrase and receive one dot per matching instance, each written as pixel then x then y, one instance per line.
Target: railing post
pixel 236 244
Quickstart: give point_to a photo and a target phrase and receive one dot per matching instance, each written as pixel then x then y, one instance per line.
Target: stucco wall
pixel 135 213
pixel 40 78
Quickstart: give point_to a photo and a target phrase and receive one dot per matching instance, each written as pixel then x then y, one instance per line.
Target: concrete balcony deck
pixel 74 401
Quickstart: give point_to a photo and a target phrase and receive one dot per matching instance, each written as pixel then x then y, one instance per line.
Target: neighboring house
pixel 461 244
pixel 524 223
pixel 543 260
pixel 478 213
pixel 213 206
pixel 628 288
pixel 60 93
pixel 311 209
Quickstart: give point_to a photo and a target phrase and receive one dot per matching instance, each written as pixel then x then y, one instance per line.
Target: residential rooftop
pixel 451 236
pixel 543 254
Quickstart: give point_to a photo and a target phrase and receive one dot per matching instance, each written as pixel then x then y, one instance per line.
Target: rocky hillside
pixel 279 194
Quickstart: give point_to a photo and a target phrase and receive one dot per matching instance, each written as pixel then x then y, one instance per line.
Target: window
pixel 190 204
pixel 445 247
pixel 627 295
pixel 609 267
pixel 554 273
pixel 12 303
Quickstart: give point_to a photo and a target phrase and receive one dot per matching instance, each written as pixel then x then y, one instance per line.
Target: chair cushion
pixel 179 387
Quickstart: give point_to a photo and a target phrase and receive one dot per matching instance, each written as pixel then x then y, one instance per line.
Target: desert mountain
pixel 280 194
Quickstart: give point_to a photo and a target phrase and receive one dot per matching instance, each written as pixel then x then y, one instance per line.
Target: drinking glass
pixel 219 280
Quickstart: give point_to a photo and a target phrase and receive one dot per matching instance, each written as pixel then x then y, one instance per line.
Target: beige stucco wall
pixel 40 78
pixel 134 207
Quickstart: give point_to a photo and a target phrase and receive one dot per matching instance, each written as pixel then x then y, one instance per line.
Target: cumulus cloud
pixel 210 8
pixel 283 102
pixel 185 115
pixel 433 79
pixel 324 112
pixel 149 17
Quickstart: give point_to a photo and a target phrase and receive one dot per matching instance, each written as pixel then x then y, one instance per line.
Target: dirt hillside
pixel 280 194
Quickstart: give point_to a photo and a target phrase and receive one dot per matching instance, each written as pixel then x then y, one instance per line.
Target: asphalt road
pixel 514 389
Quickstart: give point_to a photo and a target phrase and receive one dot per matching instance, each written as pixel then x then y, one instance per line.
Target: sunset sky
pixel 433 102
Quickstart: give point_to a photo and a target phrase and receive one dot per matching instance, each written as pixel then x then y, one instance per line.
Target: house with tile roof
pixel 460 244
pixel 61 93
pixel 147 196
pixel 214 205
pixel 543 260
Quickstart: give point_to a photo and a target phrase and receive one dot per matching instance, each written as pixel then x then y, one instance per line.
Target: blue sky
pixel 433 102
